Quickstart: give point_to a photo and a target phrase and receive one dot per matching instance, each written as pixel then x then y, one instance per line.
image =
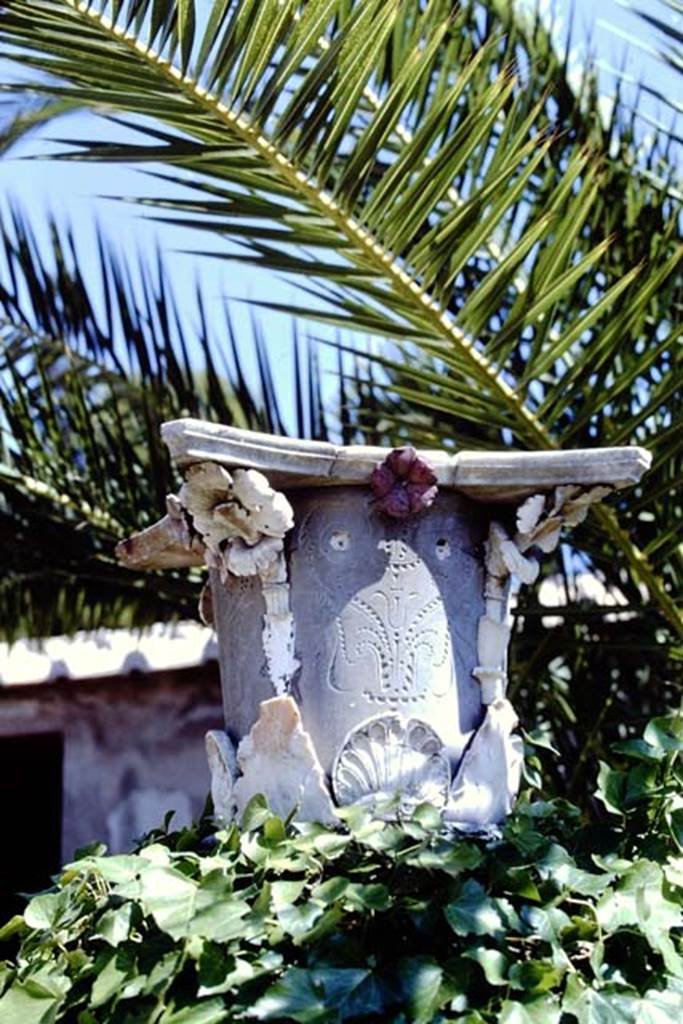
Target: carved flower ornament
pixel 540 520
pixel 404 484
pixel 241 519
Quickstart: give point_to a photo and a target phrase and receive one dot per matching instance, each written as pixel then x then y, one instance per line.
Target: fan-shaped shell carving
pixel 390 756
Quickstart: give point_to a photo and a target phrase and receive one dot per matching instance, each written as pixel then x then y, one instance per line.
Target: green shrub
pixel 557 919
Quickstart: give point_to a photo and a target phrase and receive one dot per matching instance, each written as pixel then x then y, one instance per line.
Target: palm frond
pixel 90 366
pixel 19 118
pixel 387 151
pixel 665 20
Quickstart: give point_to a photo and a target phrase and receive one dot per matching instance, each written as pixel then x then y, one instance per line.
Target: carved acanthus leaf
pixel 539 522
pixel 529 512
pixel 242 559
pixel 241 519
pixel 540 519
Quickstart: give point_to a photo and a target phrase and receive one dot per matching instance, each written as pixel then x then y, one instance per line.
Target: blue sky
pixel 71 191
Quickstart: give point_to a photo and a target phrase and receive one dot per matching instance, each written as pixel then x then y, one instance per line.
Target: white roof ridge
pixel 106 652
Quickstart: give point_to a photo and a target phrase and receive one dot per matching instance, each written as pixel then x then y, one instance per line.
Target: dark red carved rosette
pixel 404 484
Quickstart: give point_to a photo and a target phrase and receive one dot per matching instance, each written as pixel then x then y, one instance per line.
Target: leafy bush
pixel 554 920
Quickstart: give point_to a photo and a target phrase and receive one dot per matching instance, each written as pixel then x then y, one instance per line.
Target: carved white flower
pixel 239 516
pixel 241 559
pixel 207 489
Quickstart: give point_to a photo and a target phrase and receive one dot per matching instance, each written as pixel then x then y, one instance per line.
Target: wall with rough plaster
pixel 133 748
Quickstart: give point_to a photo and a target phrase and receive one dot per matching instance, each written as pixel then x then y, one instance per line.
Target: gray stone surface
pixel 385 617
pixel 245 681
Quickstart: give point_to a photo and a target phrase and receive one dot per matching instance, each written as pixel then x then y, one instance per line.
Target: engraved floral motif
pixel 390 757
pixel 397 629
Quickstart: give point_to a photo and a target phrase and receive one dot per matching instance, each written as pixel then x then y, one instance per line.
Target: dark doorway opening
pixel 31 808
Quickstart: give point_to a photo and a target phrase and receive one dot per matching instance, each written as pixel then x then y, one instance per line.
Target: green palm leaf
pixel 88 372
pixel 419 181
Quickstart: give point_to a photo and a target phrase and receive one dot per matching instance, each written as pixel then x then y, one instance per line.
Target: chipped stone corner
pixel 278 760
pixel 168 544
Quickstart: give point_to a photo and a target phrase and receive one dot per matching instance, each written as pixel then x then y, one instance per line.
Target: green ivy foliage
pixel 555 920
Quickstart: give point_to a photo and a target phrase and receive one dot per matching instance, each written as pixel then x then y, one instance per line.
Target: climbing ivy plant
pixel 552 920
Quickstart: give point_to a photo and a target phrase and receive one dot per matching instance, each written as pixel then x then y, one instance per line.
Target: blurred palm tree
pixel 429 176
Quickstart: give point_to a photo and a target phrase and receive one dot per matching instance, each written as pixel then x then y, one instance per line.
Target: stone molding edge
pixel 483 476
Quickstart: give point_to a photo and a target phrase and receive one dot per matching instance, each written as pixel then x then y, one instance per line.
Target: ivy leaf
pixel 44 911
pixel 639 750
pixel 118 869
pixel 255 813
pixel 282 894
pixel 15 926
pixel 676 826
pixel 538 1011
pixel 591 1006
pixel 307 996
pixel 665 734
pixel 520 881
pixel 114 925
pixel 638 900
pixel 36 999
pixel 428 816
pixel 535 975
pixel 559 867
pixel 421 979
pixel 657 1007
pixel 374 896
pixel 331 890
pixel 299 921
pixel 170 897
pixel 611 788
pixel 492 962
pixel 616 1006
pixel 547 922
pixel 442 855
pixel 207 1011
pixel 475 913
pixel 109 979
pixel 181 908
pixel 537 738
